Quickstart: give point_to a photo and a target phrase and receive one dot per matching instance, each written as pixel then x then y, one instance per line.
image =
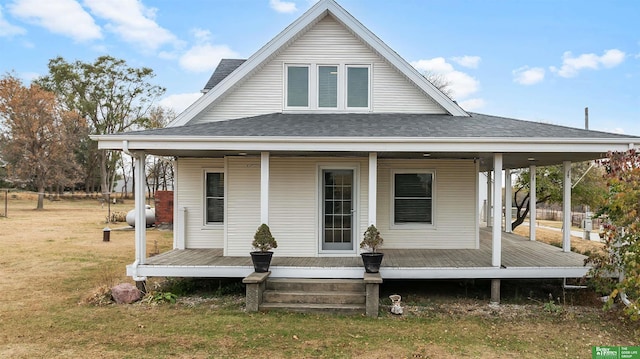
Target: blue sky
pixel 543 60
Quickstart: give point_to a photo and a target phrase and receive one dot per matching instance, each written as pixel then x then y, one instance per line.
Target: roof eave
pixel 371 144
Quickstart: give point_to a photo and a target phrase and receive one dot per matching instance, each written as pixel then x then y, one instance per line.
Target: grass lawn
pixel 54 264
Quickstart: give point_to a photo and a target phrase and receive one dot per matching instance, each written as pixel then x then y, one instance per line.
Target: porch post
pixel 373 187
pixel 532 203
pixel 566 207
pixel 496 247
pixel 487 210
pixel 264 187
pixel 507 200
pixel 140 209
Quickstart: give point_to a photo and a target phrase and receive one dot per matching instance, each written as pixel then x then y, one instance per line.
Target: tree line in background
pixel 45 127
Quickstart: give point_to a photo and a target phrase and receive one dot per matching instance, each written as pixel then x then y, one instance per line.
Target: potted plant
pixel 371 241
pixel 263 243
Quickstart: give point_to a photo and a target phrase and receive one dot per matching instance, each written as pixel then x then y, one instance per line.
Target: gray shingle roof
pixel 378 125
pixel 224 69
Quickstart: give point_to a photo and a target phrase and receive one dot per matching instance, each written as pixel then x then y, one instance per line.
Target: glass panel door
pixel 337 210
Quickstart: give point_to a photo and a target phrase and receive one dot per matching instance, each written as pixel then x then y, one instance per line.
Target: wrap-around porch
pixel 521 258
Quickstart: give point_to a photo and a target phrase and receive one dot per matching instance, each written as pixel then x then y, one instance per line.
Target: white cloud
pixel 65 17
pixel 8 30
pixel 133 22
pixel 612 58
pixel 179 102
pixel 286 7
pixel 472 104
pixel 460 83
pixel 528 76
pixel 471 62
pixel 571 66
pixel 204 56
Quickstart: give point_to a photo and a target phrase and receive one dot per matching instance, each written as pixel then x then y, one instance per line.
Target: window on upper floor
pixel 298 86
pixel 326 87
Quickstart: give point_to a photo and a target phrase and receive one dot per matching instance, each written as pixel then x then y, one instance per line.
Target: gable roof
pixel 317 12
pixel 224 69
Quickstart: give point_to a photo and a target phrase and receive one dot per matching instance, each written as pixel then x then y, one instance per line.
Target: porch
pixel 521 258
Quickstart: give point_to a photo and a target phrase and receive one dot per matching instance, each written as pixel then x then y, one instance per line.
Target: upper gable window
pixel 327 87
pixel 298 86
pixel 357 86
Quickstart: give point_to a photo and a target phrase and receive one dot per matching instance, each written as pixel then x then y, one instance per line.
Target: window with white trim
pixel 327 86
pixel 357 87
pixel 412 197
pixel 298 86
pixel 214 197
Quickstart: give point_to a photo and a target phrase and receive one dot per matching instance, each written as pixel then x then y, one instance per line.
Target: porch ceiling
pixel 510 160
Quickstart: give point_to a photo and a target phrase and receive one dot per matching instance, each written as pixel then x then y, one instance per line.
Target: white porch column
pixel 507 200
pixel 566 207
pixel 532 203
pixel 264 187
pixel 487 210
pixel 496 247
pixel 373 187
pixel 140 209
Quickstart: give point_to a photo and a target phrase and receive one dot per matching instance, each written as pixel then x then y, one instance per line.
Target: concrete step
pixel 316 285
pixel 343 309
pixel 323 297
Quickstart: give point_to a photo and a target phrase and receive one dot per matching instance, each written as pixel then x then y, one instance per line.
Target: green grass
pixel 53 261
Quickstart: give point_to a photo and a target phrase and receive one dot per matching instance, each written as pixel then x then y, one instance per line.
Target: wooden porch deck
pixel 521 258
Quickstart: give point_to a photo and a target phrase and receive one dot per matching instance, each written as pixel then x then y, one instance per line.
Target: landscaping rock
pixel 125 293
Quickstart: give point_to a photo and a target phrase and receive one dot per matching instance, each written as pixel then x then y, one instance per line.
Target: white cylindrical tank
pixel 150 214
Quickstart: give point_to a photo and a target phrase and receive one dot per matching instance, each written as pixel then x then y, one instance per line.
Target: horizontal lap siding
pixel 327 42
pixel 454 208
pixel 191 196
pixel 292 206
pixel 243 204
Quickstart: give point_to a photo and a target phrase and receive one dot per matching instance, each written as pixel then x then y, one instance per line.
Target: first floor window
pixel 413 198
pixel 214 197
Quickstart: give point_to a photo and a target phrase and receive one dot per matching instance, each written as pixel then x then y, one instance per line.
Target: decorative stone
pixel 125 293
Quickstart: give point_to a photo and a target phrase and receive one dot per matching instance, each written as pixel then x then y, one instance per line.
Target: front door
pixel 337 209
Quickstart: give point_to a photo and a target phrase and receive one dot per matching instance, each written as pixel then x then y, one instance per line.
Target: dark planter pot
pixel 372 261
pixel 261 261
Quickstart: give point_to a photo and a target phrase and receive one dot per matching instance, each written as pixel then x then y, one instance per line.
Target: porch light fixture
pixel 242 153
pixel 426 155
pixel 531 159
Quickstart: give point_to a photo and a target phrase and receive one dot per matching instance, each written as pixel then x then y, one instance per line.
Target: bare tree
pixel 39 136
pixel 440 82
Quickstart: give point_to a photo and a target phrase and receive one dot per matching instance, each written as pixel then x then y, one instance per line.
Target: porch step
pixel 340 296
pixel 310 284
pixel 272 296
pixel 343 309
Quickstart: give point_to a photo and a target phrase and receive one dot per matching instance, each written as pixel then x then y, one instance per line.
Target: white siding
pixel 294 209
pixel 243 204
pixel 454 210
pixel 191 196
pixel 327 42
